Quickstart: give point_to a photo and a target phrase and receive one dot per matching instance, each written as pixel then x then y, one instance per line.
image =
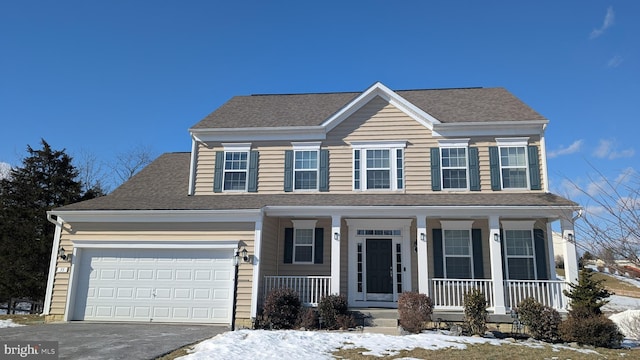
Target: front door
pixel 379 262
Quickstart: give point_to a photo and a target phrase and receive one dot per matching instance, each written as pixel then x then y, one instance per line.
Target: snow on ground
pixel 619 303
pixel 8 323
pixel 628 322
pixel 265 344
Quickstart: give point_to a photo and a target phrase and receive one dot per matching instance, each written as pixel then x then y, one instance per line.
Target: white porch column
pixel 423 259
pixel 551 254
pixel 569 251
pixel 496 265
pixel 336 221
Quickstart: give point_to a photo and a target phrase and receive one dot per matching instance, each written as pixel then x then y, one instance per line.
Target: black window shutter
pixel 435 169
pixel 217 173
pixel 288 245
pixel 324 171
pixel 534 168
pixel 252 186
pixel 541 258
pixel 288 170
pixel 503 245
pixel 476 245
pixel 438 260
pixel 319 243
pixel 474 169
pixel 494 167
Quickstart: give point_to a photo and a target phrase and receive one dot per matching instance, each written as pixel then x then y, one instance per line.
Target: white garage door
pixel 155 285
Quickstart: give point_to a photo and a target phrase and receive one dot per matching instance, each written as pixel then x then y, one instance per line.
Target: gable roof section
pixel 162 185
pixel 471 105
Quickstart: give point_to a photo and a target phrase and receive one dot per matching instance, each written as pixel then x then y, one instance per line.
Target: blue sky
pixel 104 77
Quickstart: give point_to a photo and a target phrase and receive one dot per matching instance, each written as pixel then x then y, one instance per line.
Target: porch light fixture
pixel 336 236
pixel 62 255
pixel 496 237
pixel 570 238
pixel 423 237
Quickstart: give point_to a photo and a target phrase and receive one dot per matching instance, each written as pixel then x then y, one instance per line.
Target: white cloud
pixel 596 187
pixel 573 148
pixel 625 175
pixel 606 150
pixel 595 210
pixel 615 61
pixel 568 188
pixel 609 20
pixel 5 170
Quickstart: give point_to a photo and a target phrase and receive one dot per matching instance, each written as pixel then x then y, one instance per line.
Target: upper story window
pixel 514 164
pixel 236 169
pixel 306 168
pixel 455 166
pixel 378 165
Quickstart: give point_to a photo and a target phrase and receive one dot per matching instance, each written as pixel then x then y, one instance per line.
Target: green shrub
pixel 414 310
pixel 596 330
pixel 543 321
pixel 329 308
pixel 475 312
pixel 281 309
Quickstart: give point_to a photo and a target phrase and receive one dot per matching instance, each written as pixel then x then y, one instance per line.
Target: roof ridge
pixel 357 92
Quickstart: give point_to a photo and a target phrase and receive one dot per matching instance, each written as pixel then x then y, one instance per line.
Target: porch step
pixel 377 320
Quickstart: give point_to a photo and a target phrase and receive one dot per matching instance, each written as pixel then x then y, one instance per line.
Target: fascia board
pixel 494 128
pixel 291 133
pixel 428 211
pixel 378 89
pixel 128 216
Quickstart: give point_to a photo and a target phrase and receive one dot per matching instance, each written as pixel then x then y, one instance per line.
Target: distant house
pixel 367 194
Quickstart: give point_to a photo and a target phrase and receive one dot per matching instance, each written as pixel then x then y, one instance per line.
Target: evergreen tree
pixel 46 180
pixel 587 296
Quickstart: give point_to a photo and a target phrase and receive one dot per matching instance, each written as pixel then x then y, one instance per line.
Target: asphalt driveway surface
pixel 85 340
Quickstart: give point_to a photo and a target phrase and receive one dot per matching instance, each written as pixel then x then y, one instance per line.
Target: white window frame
pixel 454 144
pixel 308 147
pixel 393 147
pixel 236 148
pixel 505 143
pixel 457 225
pixel 526 225
pixel 304 225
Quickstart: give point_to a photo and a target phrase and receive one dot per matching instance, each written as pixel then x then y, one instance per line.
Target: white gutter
pixel 183 216
pixel 58 222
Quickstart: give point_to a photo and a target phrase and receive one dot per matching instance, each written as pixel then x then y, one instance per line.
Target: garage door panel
pixel 155 285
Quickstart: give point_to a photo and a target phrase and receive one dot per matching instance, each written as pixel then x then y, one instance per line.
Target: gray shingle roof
pixel 163 186
pixel 446 105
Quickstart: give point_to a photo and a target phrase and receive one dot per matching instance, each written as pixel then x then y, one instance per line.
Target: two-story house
pixel 367 194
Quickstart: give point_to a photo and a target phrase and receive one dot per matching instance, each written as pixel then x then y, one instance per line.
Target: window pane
pixel 514 178
pixel 306 160
pixel 378 159
pixel 378 179
pixel 454 178
pixel 304 236
pixel 303 253
pixel 456 242
pixel 521 268
pixel 235 161
pixel 513 156
pixel 458 267
pixel 235 180
pixel 305 180
pixel 454 157
pixel 519 242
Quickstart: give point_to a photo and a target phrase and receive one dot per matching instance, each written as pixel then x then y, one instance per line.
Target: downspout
pixel 192 166
pixel 58 222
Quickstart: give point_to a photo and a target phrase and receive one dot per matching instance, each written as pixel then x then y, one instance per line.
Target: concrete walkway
pixel 86 340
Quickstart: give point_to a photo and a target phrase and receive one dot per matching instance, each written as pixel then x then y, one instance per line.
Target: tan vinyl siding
pixel 205 166
pixel 242 232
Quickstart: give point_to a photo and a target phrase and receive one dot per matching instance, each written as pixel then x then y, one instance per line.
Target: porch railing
pixel 448 294
pixel 310 288
pixel 547 292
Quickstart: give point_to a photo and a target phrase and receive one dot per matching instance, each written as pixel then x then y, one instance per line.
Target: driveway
pixel 85 340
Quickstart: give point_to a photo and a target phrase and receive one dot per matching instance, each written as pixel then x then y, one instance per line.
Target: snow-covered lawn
pixel 293 344
pixel 8 323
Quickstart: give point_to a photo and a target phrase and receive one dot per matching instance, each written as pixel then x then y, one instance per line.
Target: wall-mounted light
pixel 241 254
pixel 496 237
pixel 336 236
pixel 62 255
pixel 570 238
pixel 423 237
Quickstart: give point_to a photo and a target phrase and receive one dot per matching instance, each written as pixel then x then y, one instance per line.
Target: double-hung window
pixel 519 250
pixel 303 241
pixel 513 163
pixel 305 166
pixel 454 163
pixel 458 255
pixel 378 165
pixel 236 168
